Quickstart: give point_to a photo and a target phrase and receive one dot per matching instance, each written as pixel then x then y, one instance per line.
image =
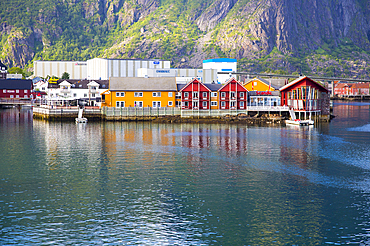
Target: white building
pixel 102 68
pixel 183 76
pixel 221 65
pixel 75 69
pixel 70 90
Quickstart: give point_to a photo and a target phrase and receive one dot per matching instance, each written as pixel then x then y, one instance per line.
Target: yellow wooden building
pixel 139 92
pixel 258 84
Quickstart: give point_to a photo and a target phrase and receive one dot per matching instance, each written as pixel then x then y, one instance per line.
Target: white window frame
pixel 25 96
pixel 186 94
pixel 195 94
pixel 16 91
pixel 25 91
pixel 120 104
pixel 156 104
pixel 213 103
pixel 195 104
pixel 241 103
pixel 223 104
pixel 214 94
pixel 223 94
pixel 138 94
pixel 170 94
pixel 170 103
pixel 241 94
pixel 156 94
pixel 204 104
pixel 4 91
pixel 205 94
pixel 138 103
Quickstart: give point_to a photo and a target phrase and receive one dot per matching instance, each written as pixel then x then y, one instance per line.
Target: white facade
pixel 101 68
pixel 75 69
pixel 182 75
pixel 67 91
pixel 222 65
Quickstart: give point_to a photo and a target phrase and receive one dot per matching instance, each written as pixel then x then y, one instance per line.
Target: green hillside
pixel 263 38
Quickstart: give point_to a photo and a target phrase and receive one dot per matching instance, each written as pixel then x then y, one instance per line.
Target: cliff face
pixel 188 31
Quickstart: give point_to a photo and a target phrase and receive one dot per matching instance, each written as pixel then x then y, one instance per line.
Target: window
pixel 255 83
pixel 25 96
pixel 120 104
pixel 42 88
pixel 16 91
pixel 242 104
pixel 195 104
pixel 170 103
pixel 156 104
pixel 138 104
pixel 213 103
pixel 138 94
pixel 223 104
pixel 214 94
pixel 186 94
pixel 120 94
pixel 232 104
pixel 223 94
pixel 195 94
pixel 4 91
pixel 11 96
pixel 85 95
pixel 241 94
pixel 205 94
pixel 186 104
pixel 93 95
pixel 17 96
pixel 156 94
pixel 25 91
pixel 169 94
pixel 74 95
pixel 204 104
pixel 232 94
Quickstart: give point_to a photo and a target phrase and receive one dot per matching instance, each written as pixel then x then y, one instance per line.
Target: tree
pixel 65 75
pixel 16 70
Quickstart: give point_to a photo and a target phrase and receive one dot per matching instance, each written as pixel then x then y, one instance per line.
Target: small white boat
pixel 298 122
pixel 80 119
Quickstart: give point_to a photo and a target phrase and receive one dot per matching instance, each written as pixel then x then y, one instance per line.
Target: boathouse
pixel 306 96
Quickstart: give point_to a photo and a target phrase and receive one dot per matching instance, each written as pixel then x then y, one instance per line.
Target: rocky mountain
pixel 321 37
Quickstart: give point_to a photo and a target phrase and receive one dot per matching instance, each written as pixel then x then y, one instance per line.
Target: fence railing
pixel 145 111
pixel 154 112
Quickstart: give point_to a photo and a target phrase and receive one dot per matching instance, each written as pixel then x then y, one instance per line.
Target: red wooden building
pixel 233 95
pixel 306 95
pixel 195 95
pixel 16 88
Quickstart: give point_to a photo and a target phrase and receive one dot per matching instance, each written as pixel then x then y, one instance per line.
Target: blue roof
pixel 220 60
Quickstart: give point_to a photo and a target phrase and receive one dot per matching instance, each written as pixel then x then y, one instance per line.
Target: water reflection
pixel 170 184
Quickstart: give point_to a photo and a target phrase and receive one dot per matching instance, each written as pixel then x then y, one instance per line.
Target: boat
pixel 298 122
pixel 80 119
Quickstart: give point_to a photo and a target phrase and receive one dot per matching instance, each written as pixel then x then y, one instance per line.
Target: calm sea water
pixel 127 183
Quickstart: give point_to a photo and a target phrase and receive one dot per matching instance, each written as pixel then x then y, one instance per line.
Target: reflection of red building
pixel 195 95
pixel 233 95
pixel 306 95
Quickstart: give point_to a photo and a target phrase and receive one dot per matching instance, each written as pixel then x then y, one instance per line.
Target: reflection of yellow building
pixel 258 84
pixel 140 92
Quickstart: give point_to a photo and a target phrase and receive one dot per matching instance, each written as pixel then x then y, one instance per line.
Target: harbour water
pixel 127 183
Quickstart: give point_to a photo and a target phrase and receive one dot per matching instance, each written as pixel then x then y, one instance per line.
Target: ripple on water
pixel 365 128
